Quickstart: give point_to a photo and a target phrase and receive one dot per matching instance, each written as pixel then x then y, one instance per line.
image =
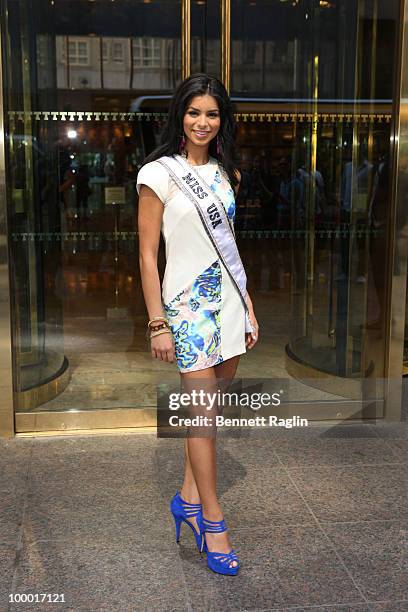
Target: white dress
pixel 203 306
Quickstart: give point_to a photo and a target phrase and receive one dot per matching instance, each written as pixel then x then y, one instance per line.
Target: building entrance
pixel 86 91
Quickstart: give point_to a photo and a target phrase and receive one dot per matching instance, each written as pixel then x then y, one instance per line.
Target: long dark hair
pixel 200 84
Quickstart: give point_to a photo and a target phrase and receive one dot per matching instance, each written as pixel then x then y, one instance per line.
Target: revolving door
pixel 86 91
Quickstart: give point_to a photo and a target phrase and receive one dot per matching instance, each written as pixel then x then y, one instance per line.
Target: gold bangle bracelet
pixel 161 325
pixel 153 330
pixel 161 331
pixel 157 319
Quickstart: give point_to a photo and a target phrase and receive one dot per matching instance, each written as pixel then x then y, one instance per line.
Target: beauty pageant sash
pixel 214 219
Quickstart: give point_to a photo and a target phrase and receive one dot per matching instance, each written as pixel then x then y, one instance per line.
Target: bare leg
pixel 227 370
pixel 200 460
pixel 189 491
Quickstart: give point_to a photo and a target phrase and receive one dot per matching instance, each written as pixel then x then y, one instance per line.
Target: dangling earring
pixel 218 146
pixel 182 150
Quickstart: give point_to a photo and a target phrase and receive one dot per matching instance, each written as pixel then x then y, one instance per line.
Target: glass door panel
pixel 206 37
pixel 405 362
pixel 316 123
pixel 86 90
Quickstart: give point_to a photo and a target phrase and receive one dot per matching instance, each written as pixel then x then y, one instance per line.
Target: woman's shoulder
pixel 152 165
pixel 153 168
pixel 155 176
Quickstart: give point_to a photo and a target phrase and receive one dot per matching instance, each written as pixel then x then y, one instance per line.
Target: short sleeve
pixel 156 177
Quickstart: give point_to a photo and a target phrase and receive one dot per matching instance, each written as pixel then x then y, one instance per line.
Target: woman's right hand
pixel 162 347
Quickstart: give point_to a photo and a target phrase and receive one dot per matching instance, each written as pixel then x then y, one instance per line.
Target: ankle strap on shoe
pixel 190 509
pixel 214 526
pixel 187 503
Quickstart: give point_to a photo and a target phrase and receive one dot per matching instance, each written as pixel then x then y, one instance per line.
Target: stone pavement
pixel 318 516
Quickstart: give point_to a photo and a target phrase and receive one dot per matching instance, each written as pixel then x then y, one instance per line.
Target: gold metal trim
pixel 185 38
pixel 32 398
pixel 329 383
pixel 398 251
pixel 226 43
pixel 6 362
pixel 89 432
pixel 320 115
pixel 334 229
pixel 124 421
pixel 75 420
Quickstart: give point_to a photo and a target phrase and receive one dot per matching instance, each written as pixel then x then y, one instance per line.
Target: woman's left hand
pixel 251 338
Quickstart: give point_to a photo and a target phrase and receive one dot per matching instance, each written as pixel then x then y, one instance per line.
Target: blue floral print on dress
pixel 194 319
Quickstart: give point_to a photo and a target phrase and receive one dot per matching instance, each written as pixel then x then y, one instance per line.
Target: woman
pixel 206 319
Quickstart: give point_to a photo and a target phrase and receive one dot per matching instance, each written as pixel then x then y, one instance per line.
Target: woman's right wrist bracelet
pixel 158 326
pixel 154 319
pixel 161 331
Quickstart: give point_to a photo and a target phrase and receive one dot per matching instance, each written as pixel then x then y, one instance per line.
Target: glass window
pixel 147 52
pixel 105 51
pixel 206 37
pixel 118 52
pixel 77 130
pixel 315 85
pixel 78 51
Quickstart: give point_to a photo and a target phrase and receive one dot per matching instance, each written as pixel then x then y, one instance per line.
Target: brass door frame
pixel 6 362
pixel 398 252
pixel 185 38
pixel 226 43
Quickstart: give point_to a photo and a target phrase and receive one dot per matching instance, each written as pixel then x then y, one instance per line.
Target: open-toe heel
pixel 182 511
pixel 217 561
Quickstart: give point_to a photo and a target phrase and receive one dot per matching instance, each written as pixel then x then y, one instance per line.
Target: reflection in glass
pixel 76 72
pixel 315 203
pixel 405 365
pixel 205 37
pixel 274 43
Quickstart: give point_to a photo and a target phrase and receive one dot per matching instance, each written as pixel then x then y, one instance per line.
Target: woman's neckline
pixel 210 161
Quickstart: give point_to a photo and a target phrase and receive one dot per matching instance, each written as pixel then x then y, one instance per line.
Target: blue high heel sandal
pixel 181 511
pixel 219 562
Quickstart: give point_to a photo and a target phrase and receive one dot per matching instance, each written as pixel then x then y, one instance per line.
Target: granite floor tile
pixel 235 458
pixel 244 471
pixel 390 606
pixel 14 461
pixel 11 515
pixel 281 567
pixel 14 477
pixel 313 451
pixel 15 446
pixel 114 444
pixel 326 431
pixel 248 452
pixel 393 430
pixel 263 498
pixel 376 554
pixel 169 467
pixel 396 436
pixel 7 564
pixel 332 608
pixel 94 470
pixel 94 460
pixel 65 512
pixel 399 447
pixel 350 493
pixel 103 574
